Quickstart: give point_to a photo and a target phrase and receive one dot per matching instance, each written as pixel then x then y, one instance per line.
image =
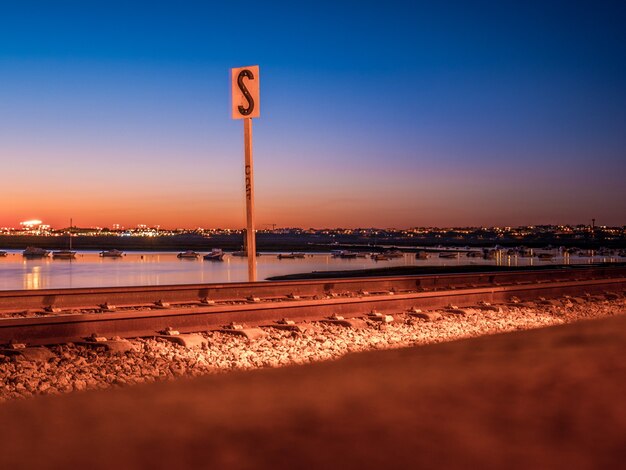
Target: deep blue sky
pixel 373 113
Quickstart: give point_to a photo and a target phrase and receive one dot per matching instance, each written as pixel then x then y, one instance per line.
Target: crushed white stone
pixel 76 368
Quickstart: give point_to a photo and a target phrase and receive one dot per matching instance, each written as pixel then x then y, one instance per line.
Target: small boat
pixel 216 255
pixel 545 256
pixel 474 254
pixel 394 253
pixel 454 254
pixel 189 254
pixel 3 254
pixel 291 255
pixel 422 255
pixel 34 253
pixel 526 254
pixel 347 254
pixel 380 257
pixel 112 253
pixel 336 253
pixel 64 254
pixel 489 254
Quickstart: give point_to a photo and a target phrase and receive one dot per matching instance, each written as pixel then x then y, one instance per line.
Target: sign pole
pixel 249 178
pixel 245 105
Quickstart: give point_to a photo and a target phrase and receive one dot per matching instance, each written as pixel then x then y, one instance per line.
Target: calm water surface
pixel 158 268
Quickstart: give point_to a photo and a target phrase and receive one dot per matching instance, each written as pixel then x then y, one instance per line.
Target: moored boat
pixel 3 254
pixel 380 257
pixel 347 254
pixel 545 256
pixel 32 252
pixel 112 253
pixel 422 255
pixel 474 254
pixel 216 255
pixel 291 255
pixel 445 254
pixel 394 253
pixel 64 254
pixel 189 254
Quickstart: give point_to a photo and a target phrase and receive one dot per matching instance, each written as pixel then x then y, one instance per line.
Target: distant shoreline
pixel 286 242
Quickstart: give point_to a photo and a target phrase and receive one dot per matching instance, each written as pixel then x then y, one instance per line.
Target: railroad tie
pixel 239 330
pixel 187 340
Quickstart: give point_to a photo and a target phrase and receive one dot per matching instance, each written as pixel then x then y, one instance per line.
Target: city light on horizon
pixel 31 223
pixel 39 228
pixel 38 224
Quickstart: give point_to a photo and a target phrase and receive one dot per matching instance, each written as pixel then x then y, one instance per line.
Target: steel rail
pixel 83 298
pixel 55 329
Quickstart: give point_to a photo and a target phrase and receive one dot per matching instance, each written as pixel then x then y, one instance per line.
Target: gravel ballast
pixel 77 367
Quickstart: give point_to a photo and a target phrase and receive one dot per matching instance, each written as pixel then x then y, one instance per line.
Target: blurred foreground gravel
pixel 75 368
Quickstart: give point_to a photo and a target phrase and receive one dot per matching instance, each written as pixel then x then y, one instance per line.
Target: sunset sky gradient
pixel 389 114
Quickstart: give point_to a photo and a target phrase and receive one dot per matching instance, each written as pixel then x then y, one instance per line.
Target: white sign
pixel 245 92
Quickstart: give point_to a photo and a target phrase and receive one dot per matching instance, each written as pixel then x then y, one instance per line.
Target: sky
pixel 373 114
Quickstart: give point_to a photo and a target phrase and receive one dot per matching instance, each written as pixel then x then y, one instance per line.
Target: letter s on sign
pixel 247 74
pixel 245 92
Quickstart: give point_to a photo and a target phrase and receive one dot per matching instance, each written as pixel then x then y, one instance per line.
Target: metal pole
pixel 249 178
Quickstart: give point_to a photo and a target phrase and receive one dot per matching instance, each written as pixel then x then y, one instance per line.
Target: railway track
pixel 63 315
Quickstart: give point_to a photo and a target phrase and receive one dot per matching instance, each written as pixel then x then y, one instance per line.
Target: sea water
pixel 165 268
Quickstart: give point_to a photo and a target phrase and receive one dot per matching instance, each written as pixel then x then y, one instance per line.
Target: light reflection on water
pixel 152 268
